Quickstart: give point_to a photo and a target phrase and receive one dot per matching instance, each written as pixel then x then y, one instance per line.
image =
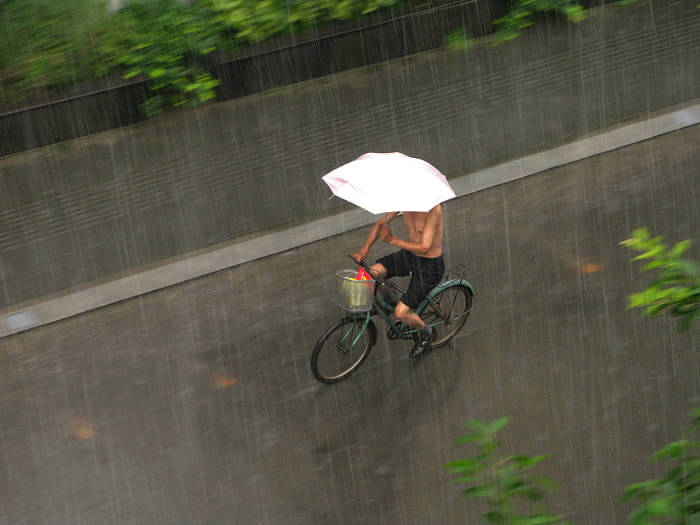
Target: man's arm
pixel 419 248
pixel 374 235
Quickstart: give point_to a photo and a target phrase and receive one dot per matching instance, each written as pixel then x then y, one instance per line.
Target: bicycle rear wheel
pixel 342 349
pixel 452 306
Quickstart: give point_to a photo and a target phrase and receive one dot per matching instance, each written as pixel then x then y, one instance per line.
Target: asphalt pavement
pixel 195 404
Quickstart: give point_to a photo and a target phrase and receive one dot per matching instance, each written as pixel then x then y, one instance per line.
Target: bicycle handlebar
pixel 363 265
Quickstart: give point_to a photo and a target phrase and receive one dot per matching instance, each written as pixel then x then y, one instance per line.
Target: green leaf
pixel 673 450
pixel 156 73
pixel 575 13
pixel 640 490
pixel 468 438
pixel 689 268
pixel 641 234
pixel 479 491
pixel 458 41
pixel 477 425
pixel 526 462
pixel 650 253
pixel 530 493
pixel 497 425
pixel 664 281
pixel 494 517
pixel 657 308
pixel 679 249
pixel 468 466
pixel 661 507
pixel 653 264
pixel 483 433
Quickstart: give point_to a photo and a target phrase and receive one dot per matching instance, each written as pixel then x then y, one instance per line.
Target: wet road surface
pixel 195 404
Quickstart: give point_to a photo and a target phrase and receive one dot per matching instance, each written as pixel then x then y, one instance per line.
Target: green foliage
pixel 458 41
pixel 59 42
pixel 48 43
pixel 522 12
pixel 162 41
pixel 677 287
pixel 675 497
pixel 253 21
pixel 505 483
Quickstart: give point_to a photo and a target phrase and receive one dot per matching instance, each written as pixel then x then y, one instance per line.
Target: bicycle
pixel 349 340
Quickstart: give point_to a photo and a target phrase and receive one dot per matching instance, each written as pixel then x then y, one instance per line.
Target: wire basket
pixel 354 295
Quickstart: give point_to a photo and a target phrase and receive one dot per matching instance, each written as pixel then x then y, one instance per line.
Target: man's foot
pixel 424 343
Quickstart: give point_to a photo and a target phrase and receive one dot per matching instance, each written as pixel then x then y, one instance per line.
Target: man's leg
pixel 378 271
pixel 424 335
pixel 423 277
pixel 408 316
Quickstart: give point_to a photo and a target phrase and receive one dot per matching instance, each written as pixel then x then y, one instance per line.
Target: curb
pixel 16 319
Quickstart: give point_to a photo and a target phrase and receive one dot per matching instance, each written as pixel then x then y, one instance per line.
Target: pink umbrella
pixel 386 182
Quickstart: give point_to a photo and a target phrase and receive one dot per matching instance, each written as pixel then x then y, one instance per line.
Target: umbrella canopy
pixel 386 182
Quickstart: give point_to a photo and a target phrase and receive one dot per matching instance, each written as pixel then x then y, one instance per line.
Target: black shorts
pixel 425 274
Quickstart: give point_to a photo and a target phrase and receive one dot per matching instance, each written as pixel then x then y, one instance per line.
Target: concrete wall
pixel 100 206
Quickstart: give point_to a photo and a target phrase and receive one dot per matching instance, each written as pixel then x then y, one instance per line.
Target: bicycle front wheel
pixel 452 308
pixel 342 349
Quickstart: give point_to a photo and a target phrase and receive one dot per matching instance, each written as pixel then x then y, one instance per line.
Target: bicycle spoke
pixel 451 319
pixel 346 346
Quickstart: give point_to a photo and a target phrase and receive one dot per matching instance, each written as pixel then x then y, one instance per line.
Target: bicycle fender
pixel 447 284
pixel 442 287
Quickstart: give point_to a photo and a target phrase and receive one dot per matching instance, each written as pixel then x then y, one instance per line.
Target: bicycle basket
pixel 354 295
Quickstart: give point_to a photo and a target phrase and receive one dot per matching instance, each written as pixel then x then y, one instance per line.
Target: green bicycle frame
pixel 396 328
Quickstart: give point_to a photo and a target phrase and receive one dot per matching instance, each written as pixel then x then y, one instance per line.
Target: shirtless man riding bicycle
pixel 420 257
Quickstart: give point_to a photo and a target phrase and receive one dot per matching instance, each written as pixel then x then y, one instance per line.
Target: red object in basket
pixel 362 275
